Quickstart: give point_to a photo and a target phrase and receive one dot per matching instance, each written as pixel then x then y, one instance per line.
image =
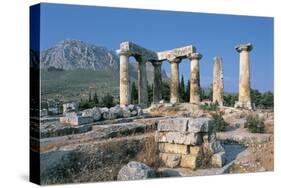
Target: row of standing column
pixel 125 97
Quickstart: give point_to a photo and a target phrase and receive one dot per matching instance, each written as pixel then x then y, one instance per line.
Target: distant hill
pixel 75 54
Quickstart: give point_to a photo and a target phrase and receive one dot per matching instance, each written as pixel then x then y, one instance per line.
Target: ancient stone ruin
pixel 217 81
pixel 189 143
pixel 174 57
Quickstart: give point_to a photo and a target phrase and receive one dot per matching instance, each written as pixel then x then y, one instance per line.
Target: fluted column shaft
pixel 124 79
pixel 174 85
pixel 157 84
pixel 218 81
pixel 194 78
pixel 142 83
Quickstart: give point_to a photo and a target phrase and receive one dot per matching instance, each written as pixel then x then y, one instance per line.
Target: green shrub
pixel 255 124
pixel 220 124
pixel 209 107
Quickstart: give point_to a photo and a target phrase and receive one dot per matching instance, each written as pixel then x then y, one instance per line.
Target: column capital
pixel 156 63
pixel 244 47
pixel 174 60
pixel 122 52
pixel 196 55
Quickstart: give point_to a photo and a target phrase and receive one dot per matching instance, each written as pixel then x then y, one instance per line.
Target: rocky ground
pixel 99 154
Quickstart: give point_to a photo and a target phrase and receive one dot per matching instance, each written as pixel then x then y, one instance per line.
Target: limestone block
pixel 179 138
pixel 196 150
pixel 218 160
pixel 170 160
pixel 190 161
pixel 174 125
pixel 197 125
pixel 173 148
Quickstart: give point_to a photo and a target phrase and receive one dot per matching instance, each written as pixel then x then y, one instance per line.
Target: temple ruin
pixel 174 57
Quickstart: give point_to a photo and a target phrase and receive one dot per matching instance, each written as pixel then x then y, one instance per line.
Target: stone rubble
pixel 188 142
pixel 97 114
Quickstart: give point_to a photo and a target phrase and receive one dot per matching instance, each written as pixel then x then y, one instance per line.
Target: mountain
pixel 74 54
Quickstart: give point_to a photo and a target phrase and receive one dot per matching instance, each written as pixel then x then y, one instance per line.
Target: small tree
pixel 107 100
pixel 166 91
pixel 96 99
pixel 187 91
pixel 182 91
pixel 134 94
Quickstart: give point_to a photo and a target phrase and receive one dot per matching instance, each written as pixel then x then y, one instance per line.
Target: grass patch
pixel 255 124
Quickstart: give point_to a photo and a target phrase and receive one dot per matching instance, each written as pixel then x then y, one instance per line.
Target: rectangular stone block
pixel 170 160
pixel 173 148
pixel 196 150
pixel 204 125
pixel 190 161
pixel 184 138
pixel 173 125
pixel 178 138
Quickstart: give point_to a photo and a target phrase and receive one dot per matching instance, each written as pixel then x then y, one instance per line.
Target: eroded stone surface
pixel 173 125
pixel 170 160
pixel 135 171
pixel 196 125
pixel 218 81
pixel 173 148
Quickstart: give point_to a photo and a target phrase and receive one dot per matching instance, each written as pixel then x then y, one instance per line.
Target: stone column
pixel 194 78
pixel 174 86
pixel 124 79
pixel 218 81
pixel 244 100
pixel 157 84
pixel 142 83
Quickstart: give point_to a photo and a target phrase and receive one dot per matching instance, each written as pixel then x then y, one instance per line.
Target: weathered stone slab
pixel 178 138
pixel 76 120
pixel 135 171
pixel 173 148
pixel 218 160
pixel 190 161
pixel 200 125
pixel 170 160
pixel 173 125
pixel 177 52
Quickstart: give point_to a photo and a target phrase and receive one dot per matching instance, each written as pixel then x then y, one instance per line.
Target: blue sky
pixel 212 34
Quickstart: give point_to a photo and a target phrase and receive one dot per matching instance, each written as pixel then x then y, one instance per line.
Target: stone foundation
pixel 189 143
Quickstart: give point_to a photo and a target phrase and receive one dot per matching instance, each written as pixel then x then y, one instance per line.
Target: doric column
pixel 194 78
pixel 142 83
pixel 157 84
pixel 217 81
pixel 174 86
pixel 244 100
pixel 124 79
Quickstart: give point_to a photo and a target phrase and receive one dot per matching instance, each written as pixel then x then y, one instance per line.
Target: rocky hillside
pixel 73 54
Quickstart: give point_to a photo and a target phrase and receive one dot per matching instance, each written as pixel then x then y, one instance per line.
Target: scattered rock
pixel 135 171
pixel 218 160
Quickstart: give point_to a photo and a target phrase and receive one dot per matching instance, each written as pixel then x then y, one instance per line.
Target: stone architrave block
pixel 170 160
pixel 200 125
pixel 173 148
pixel 173 125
